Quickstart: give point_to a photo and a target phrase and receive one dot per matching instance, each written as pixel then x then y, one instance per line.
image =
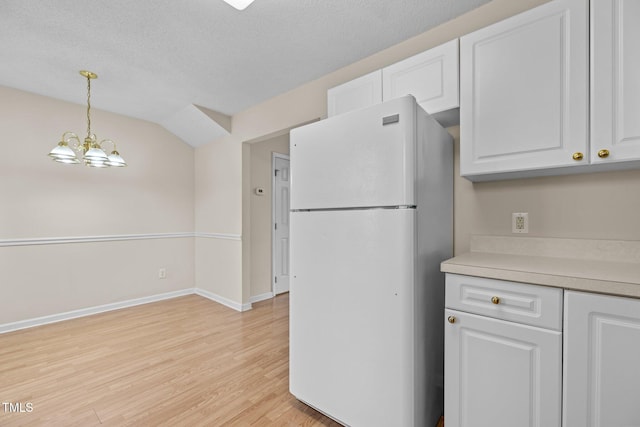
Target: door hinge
pixel 275 172
pixel 276 279
pixel 276 225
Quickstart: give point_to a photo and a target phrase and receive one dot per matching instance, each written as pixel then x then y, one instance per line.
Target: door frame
pixel 274 156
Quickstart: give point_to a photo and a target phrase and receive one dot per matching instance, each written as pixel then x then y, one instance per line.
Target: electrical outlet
pixel 162 273
pixel 520 222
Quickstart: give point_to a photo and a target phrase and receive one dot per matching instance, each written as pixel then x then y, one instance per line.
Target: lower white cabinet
pixel 601 361
pixel 534 356
pixel 501 373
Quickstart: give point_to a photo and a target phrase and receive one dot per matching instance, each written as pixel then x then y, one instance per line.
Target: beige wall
pixel 158 193
pixel 594 206
pixel 219 165
pixel 218 211
pixel 43 199
pixel 260 212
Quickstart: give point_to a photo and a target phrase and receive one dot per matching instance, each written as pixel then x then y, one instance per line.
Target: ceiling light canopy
pixel 90 151
pixel 239 4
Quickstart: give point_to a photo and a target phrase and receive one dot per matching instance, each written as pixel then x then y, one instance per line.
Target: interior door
pixel 281 179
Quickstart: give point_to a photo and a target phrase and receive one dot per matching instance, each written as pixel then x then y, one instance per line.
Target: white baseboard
pixel 222 300
pixel 53 318
pixel 261 297
pixel 39 321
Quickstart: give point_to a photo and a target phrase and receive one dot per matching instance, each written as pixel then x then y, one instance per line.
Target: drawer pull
pixel 495 300
pixel 603 154
pixel 578 156
pixel 451 319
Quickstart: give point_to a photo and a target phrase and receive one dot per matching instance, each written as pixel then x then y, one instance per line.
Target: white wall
pixel 41 199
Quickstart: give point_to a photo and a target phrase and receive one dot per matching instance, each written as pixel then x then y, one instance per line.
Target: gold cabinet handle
pixel 603 154
pixel 451 319
pixel 578 156
pixel 495 300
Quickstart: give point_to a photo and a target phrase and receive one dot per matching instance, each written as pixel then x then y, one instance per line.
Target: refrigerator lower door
pixel 351 314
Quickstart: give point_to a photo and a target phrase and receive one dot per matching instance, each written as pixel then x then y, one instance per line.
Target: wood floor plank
pixel 187 361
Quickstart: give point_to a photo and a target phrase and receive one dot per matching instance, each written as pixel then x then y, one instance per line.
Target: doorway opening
pixel 280 223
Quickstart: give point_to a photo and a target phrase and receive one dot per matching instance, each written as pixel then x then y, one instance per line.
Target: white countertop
pixel 603 266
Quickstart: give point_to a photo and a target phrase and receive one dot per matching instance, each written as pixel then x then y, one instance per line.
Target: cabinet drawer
pixel 516 302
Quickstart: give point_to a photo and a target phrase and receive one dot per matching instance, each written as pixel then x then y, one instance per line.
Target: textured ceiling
pixel 170 62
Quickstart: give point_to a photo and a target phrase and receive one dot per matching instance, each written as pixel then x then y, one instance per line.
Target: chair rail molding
pixel 112 238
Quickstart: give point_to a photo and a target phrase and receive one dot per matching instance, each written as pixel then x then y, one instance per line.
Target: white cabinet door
pixel 615 90
pixel 362 92
pixel 601 361
pixel 431 77
pixel 524 91
pixel 501 374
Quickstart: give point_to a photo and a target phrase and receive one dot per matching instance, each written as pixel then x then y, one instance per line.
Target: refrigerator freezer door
pixel 359 159
pixel 351 329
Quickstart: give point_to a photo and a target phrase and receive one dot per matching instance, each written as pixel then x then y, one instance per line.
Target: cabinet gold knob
pixel 451 319
pixel 603 154
pixel 495 300
pixel 578 156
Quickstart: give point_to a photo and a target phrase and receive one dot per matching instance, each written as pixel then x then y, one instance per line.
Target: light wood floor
pixel 182 362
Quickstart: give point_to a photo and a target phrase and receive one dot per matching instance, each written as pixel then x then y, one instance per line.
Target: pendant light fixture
pixel 239 4
pixel 90 151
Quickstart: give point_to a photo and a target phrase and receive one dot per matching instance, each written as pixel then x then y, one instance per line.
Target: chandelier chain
pixel 88 107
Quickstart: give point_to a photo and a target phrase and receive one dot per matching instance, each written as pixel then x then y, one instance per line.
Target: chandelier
pixel 90 151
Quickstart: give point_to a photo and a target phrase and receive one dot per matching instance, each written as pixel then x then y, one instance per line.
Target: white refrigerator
pixel 371 220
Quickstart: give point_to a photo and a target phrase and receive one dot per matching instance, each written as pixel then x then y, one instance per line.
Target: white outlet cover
pixel 520 222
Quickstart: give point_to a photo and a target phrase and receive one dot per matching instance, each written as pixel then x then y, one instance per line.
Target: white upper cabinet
pixel 615 86
pixel 524 92
pixel 431 77
pixel 362 92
